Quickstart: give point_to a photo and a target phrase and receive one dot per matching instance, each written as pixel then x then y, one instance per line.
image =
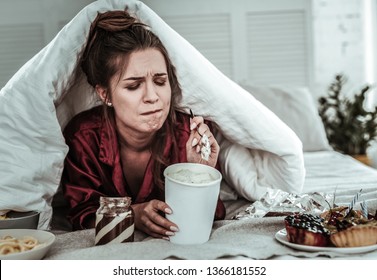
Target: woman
pixel 122 147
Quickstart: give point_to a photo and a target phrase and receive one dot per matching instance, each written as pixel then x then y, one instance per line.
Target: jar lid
pixel 118 201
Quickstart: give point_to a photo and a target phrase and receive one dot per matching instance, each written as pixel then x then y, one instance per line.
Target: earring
pixel 109 104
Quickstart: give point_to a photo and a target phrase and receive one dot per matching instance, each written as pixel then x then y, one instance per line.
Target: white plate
pixel 281 236
pixel 44 237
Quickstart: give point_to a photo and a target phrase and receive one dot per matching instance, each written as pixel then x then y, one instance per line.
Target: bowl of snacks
pixel 21 220
pixel 24 244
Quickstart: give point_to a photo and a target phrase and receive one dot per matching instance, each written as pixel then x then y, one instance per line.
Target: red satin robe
pixel 91 171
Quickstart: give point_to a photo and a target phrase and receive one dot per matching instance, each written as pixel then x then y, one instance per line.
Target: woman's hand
pixel 194 143
pixel 149 219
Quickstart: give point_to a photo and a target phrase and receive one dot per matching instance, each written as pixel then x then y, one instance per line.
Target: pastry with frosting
pixel 306 229
pixel 349 228
pixel 339 227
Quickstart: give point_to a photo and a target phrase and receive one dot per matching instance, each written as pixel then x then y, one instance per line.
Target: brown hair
pixel 113 36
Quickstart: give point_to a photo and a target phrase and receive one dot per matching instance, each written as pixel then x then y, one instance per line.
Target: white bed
pixel 274 140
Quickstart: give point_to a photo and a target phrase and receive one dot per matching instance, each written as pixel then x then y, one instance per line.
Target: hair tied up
pixel 114 21
pixel 111 21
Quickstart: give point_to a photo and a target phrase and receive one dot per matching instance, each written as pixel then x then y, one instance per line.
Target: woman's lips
pixel 151 112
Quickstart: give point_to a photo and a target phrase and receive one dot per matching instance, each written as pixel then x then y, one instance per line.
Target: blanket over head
pixel 258 151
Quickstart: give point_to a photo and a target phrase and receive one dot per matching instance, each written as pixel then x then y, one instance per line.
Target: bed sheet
pixel 330 171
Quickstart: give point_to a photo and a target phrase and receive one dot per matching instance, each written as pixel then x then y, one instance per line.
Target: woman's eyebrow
pixel 141 78
pixel 133 78
pixel 160 74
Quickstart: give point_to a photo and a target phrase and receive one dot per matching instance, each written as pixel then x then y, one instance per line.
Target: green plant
pixel 349 127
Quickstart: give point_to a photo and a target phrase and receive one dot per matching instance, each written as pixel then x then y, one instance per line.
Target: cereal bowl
pixel 42 241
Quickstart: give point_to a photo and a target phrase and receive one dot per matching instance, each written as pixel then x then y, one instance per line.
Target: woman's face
pixel 142 96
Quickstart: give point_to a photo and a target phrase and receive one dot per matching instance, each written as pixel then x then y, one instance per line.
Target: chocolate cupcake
pixel 306 229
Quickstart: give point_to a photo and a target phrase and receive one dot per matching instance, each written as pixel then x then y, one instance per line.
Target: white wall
pixel 264 42
pixel 26 26
pixel 339 43
pixel 370 29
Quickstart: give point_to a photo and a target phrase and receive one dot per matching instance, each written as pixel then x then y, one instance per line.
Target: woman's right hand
pixel 149 219
pixel 194 143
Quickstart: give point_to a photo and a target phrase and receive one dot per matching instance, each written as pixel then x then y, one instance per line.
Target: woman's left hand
pixel 194 143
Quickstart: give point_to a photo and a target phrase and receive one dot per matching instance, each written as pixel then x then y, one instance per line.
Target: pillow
pixel 294 106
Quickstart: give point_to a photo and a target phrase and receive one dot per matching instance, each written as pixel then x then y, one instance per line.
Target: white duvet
pixel 258 151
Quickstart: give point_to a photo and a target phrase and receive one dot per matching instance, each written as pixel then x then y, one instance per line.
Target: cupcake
pixel 306 229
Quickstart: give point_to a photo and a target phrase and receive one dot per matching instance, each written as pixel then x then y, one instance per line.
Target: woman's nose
pixel 151 94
